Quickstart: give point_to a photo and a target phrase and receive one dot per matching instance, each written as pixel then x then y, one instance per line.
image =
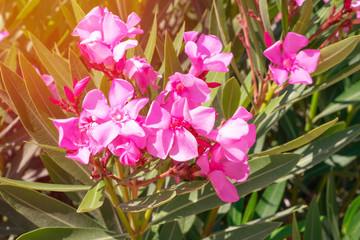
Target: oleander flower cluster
pixel 124 123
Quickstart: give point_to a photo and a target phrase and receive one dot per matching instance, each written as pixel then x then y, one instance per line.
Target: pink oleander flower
pixel 3 34
pixel 173 132
pixel 142 73
pixel 205 54
pixel 235 136
pixel 118 119
pixel 356 5
pixel 219 169
pixel 78 144
pixel 78 88
pixel 102 33
pixel 187 86
pixel 286 59
pixel 127 151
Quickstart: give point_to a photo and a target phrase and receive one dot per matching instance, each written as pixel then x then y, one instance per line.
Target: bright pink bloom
pixel 300 2
pixel 126 150
pixel 268 39
pixel 284 56
pixel 205 54
pixel 77 142
pixel 219 169
pixel 326 1
pixel 117 119
pixel 78 86
pixel 142 73
pixel 172 132
pixel 3 34
pixel 235 136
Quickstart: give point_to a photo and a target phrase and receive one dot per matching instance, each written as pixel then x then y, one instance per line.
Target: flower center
pixel 288 62
pixel 119 115
pixel 176 123
pixel 178 87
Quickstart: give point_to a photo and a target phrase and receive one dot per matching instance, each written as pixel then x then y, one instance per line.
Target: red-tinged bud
pixel 80 86
pixel 347 4
pixel 213 84
pixel 54 101
pixel 69 94
pixel 268 40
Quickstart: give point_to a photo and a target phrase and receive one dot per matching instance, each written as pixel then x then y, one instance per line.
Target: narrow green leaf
pixel 150 46
pixel 172 63
pixel 94 198
pixel 147 202
pixel 221 20
pixel 270 200
pixel 79 13
pixel 187 187
pixel 43 210
pixel 72 234
pixel 264 11
pixel 300 141
pixel 250 208
pixel 178 41
pixel 335 53
pixel 263 171
pixel 140 172
pixel 77 68
pixel 44 186
pixel 312 224
pixel 170 231
pixel 295 229
pixel 10 60
pixel 305 16
pixel 350 213
pixel 354 228
pixel 235 213
pixel 280 215
pixel 248 232
pixel 230 97
pixel 284 16
pixel 25 11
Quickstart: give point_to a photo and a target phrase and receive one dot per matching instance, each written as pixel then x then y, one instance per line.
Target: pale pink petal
pixel 236 152
pixel 82 155
pixel 157 117
pixel 133 107
pixel 225 190
pixel 232 130
pixel 120 49
pixel 68 132
pixel 274 54
pixel 236 171
pixel 95 103
pixel 218 62
pixel 251 137
pixel 132 20
pixel 180 110
pixel 3 34
pixel 308 59
pixel 127 151
pixel 113 29
pixel 131 128
pixel 184 147
pixel 300 3
pixel 120 92
pixel 104 133
pixel 97 52
pixel 190 36
pixel 293 42
pixel 203 119
pixel 90 23
pixel 159 144
pixel 280 75
pixel 300 75
pixel 203 162
pixel 209 45
pixel 242 113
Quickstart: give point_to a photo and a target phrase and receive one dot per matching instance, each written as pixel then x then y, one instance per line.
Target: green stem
pixel 313 107
pixel 210 221
pixel 350 114
pixel 269 95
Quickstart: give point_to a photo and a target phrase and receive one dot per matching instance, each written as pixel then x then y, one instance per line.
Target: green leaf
pixel 221 20
pixel 10 60
pixel 270 200
pixel 44 186
pixel 264 12
pixel 331 206
pixel 354 228
pixel 248 232
pixel 284 16
pixel 335 53
pixel 250 208
pixel 300 141
pixel 172 63
pixel 72 234
pixel 234 215
pixel 230 97
pixel 170 231
pixel 43 210
pixel 349 97
pixel 77 68
pixel 25 11
pixel 321 149
pixel 94 198
pixel 79 13
pixel 304 19
pixel 263 171
pixel 150 46
pixel 280 215
pixel 147 202
pixel 189 186
pixel 312 224
pixel 350 213
pixel 295 229
pixel 140 172
pixel 178 41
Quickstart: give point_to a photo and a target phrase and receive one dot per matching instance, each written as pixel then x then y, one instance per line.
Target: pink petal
pixel 184 147
pixel 158 117
pixel 80 86
pixel 120 92
pixel 236 152
pixel 192 51
pixel 280 75
pixel 131 128
pixel 190 36
pixel 180 110
pixel 113 29
pixel 120 49
pixel 274 54
pixel 308 59
pixel 209 45
pixel 159 144
pixel 300 75
pixel 218 63
pixel 90 23
pixel 300 3
pixel 242 113
pixel 251 137
pixel 104 133
pixel 97 52
pixel 203 119
pixel 293 42
pixel 236 171
pixel 95 103
pixel 68 132
pixel 203 162
pixel 132 20
pixel 232 131
pixel 133 107
pixel 268 39
pixel 82 155
pixel 225 190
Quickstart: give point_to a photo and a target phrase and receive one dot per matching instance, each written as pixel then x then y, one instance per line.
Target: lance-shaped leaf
pixel 264 11
pixel 148 202
pixel 263 171
pixel 350 215
pixel 43 210
pixel 189 186
pixel 26 10
pixel 151 43
pixel 10 60
pixel 249 232
pixel 178 41
pixel 79 13
pixel 72 234
pixel 140 172
pixel 313 225
pixel 335 53
pixel 300 141
pixel 44 186
pixel 230 97
pixel 304 19
pixel 270 200
pixel 94 198
pixel 172 63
